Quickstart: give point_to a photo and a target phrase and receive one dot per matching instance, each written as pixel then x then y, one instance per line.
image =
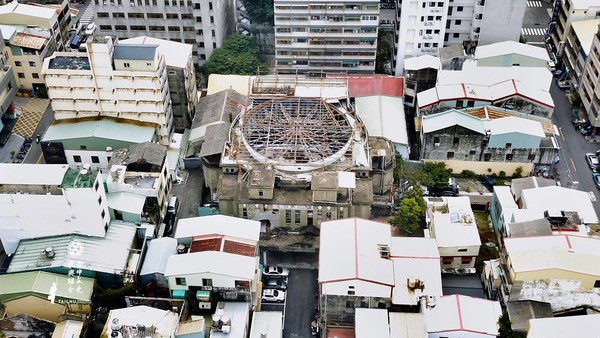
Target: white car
pixel 592 161
pixel 275 271
pixel 273 296
pixel 89 30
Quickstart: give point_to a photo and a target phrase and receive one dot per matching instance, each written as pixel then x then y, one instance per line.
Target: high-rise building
pixel 203 24
pixel 114 80
pixel 425 26
pixel 326 36
pixel 564 14
pixel 589 83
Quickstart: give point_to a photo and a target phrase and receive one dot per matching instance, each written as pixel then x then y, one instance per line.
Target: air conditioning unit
pixel 436 144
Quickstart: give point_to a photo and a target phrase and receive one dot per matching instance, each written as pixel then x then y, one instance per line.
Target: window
pixel 297 216
pixel 180 281
pixel 199 19
pixel 472 152
pixel 349 304
pixel 509 157
pixel 102 14
pixel 351 290
pixel 214 45
pixel 455 35
pixel 100 200
pixel 261 193
pixel 126 64
pixel 508 145
pixel 138 28
pixel 76 158
pixel 210 6
pixel 436 141
pixel 487 157
pixel 31 64
pixel 200 32
pixel 597 284
pixel 462 250
pixel 21 75
pixel 157 28
pixel 450 155
pixel 447 260
pixel 35 75
pixel 459 8
pixel 174 28
pixel 470 103
pixel 288 216
pixel 212 19
pixel 95 159
pixel 103 213
pixel 455 141
pixel 155 15
pixel 200 44
pixel 120 27
pixel 172 16
pixel 18 63
pixel 207 282
pixel 466 260
pixel 135 15
pixel 458 22
pixel 118 15
pixel 97 185
pixel 213 32
pixel 202 56
pixel 82 147
pixel 196 6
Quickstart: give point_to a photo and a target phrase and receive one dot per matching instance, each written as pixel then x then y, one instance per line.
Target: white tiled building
pixel 326 36
pixel 65 201
pixel 203 24
pixel 111 79
pixel 425 26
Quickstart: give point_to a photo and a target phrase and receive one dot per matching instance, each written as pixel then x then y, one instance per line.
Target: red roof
pixel 202 243
pixel 367 85
pixel 210 244
pixel 336 332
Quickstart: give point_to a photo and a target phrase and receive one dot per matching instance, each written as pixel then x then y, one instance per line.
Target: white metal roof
pixel 556 199
pixel 449 118
pixel 239 83
pixel 457 227
pixel 164 321
pixel 510 47
pixel 422 62
pixel 27 10
pixel 462 313
pixel 585 31
pixel 157 255
pixel 349 250
pixel 32 174
pixel 537 77
pixel 564 252
pixel 383 116
pixel 176 54
pixel 267 322
pixel 103 129
pixel 218 224
pixel 513 124
pixel 213 262
pixel 68 329
pixel 407 325
pixel 584 4
pixel 585 326
pixel 124 201
pixel 371 323
pixel 424 269
pixel 414 247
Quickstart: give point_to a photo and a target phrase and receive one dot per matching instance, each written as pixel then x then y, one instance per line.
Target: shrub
pixel 467 174
pixel 518 172
pixel 502 174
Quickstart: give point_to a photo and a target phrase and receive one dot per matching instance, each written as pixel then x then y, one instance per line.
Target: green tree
pixel 260 11
pixel 239 55
pixel 437 174
pixel 384 53
pixel 408 172
pixel 408 217
pixel 416 193
pixel 505 329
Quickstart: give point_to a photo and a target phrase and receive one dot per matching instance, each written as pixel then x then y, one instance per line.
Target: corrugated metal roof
pixel 371 323
pixel 383 116
pixel 135 52
pixel 15 285
pixel 373 85
pixel 28 41
pixel 104 128
pixel 32 174
pixel 213 262
pixel 213 110
pixel 108 254
pixel 157 255
pixel 422 62
pixel 407 325
pixel 218 224
pixel 149 152
pixel 449 118
pixel 462 313
pixel 510 47
pixel 123 201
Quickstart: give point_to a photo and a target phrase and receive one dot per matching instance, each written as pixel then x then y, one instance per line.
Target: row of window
pixel 19 64
pixel 174 3
pixel 95 159
pixel 33 75
pixel 325 53
pixel 331 18
pixel 372 7
pixel 487 156
pixel 463 260
pixel 137 15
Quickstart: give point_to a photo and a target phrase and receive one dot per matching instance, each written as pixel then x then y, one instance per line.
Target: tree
pixel 384 53
pixel 260 11
pixel 416 193
pixel 239 55
pixel 437 174
pixel 408 172
pixel 505 329
pixel 408 217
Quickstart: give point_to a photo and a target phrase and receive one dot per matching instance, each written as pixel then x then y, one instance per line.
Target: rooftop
pixel 176 54
pixel 79 178
pixel 371 323
pixel 24 325
pixel 510 47
pixel 586 326
pixel 585 31
pixel 16 285
pixel 14 7
pixel 28 41
pixel 422 62
pixel 144 153
pixel 519 184
pixel 457 227
pixel 238 312
pixel 135 52
pixel 69 63
pixel 32 174
pixel 561 295
pixel 107 254
pixel 556 199
pixel 157 255
pixel 159 323
pixel 228 226
pixel 457 313
pixel 101 128
pixel 383 116
pixel 212 262
pixel 520 312
pixel 369 85
pixel 407 325
pixel 269 322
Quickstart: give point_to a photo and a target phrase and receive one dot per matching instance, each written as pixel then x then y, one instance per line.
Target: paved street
pixel 536 20
pixel 572 165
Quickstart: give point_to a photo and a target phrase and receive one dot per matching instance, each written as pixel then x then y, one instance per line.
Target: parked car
pixel 487 182
pixel 566 84
pixel 273 296
pixel 596 178
pixel 275 283
pixel 586 131
pixel 169 221
pixel 275 271
pixel 89 30
pixel 447 192
pixel 592 161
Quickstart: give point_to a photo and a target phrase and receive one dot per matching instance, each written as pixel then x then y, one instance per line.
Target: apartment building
pixel 203 24
pixel 566 12
pixel 66 200
pixel 111 80
pixel 589 82
pixel 423 27
pixel 31 33
pixel 8 85
pixel 326 36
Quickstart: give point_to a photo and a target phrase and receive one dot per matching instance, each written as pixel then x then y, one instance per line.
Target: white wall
pixel 502 21
pixel 459 334
pixel 361 288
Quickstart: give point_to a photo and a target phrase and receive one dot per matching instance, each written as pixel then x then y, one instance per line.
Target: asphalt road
pixel 536 20
pixel 573 166
pixel 300 303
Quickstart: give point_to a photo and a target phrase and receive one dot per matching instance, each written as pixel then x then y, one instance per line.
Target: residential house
pixel 511 54
pixel 452 223
pixel 91 140
pixel 230 320
pixel 266 324
pixel 181 77
pixel 155 262
pixel 583 326
pixel 219 263
pixel 202 25
pixel 333 38
pixel 111 80
pixel 480 139
pixel 425 27
pixel 105 258
pixel 140 169
pixel 66 200
pixel 156 323
pixel 24 326
pixel 46 295
pixel 461 316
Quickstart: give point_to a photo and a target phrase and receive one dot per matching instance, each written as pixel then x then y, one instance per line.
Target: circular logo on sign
pixel 75 248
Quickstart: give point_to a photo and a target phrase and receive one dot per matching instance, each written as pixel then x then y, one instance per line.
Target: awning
pixel 203 295
pixel 179 294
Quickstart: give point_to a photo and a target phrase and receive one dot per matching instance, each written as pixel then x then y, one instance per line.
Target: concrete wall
pixel 587 281
pixel 502 21
pixel 361 288
pixel 509 60
pixel 196 280
pixel 481 168
pixel 35 306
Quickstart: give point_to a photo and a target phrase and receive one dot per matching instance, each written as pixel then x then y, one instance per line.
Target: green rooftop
pixel 17 285
pixel 79 178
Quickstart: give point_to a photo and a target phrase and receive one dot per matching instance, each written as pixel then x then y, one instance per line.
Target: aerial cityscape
pixel 298 169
